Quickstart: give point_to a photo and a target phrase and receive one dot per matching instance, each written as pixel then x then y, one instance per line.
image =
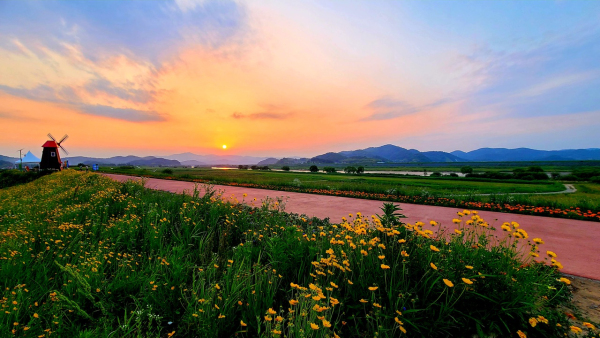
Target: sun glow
pixel 224 146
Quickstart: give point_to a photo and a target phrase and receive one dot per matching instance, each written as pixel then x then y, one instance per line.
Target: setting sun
pixel 224 146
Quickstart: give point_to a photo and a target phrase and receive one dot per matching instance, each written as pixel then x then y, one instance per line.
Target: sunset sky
pixel 298 78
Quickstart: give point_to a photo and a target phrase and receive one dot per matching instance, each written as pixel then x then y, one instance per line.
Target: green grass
pixel 441 187
pixel 84 256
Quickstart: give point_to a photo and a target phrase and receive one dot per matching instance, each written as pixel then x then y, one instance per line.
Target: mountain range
pixel 384 154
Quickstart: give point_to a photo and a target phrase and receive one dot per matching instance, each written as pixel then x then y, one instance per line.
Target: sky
pixel 298 78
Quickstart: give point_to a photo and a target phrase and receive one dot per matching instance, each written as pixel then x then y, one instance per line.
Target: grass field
pixel 84 256
pixel 404 185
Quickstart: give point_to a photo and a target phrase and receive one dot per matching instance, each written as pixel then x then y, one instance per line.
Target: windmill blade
pixel 65 150
pixel 51 137
pixel 63 139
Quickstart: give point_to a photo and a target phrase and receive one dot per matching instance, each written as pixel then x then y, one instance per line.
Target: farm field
pixel 445 191
pixel 107 258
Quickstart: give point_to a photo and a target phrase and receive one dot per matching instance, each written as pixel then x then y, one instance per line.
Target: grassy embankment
pixel 84 256
pixel 444 191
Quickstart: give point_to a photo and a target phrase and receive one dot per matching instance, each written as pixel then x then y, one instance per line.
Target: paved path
pixel 577 243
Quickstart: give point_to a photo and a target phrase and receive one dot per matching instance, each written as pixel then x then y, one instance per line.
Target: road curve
pixel 569 189
pixel 574 241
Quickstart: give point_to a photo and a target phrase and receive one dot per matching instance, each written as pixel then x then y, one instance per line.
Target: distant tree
pixel 595 179
pixel 350 170
pixel 313 168
pixel 265 168
pixel 535 169
pixel 329 170
pixel 285 168
pixel 466 169
pixel 254 167
pixel 81 165
pixel 240 167
pixel 436 174
pixel 167 171
pixel 555 175
pixel 453 175
pixel 360 170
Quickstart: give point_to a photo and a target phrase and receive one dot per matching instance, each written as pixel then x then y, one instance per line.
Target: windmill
pixel 50 155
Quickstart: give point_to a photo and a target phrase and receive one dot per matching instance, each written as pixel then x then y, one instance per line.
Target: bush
pixel 313 169
pixel 329 170
pixel 436 174
pixel 285 168
pixel 466 169
pixel 595 179
pixel 569 177
pixel 8 178
pixel 453 175
pixel 360 170
pixel 167 171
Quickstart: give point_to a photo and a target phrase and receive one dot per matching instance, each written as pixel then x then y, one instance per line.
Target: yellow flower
pixel 276 332
pixel 268 318
pixel 171 334
pixel 458 231
pixel 398 321
pixel 326 323
pixel 333 301
pixel 376 305
pixel 216 266
pixel 575 329
pixel 385 267
pixel 26 328
pixel 467 281
pixel 448 283
pixel 589 325
pixel 565 280
pixel 350 282
pixel 363 301
pixel 433 223
pixel 293 302
pixel 217 307
pixel 469 267
pixel 403 253
pixel 313 325
pixel 221 316
pixel 363 252
pixel 333 284
pixel 533 322
pixel 433 248
pixel 230 261
pixel 381 256
pixel 271 311
pixel 456 221
pixel 242 323
pixel 401 241
pixel 551 254
pixel 433 266
pixel 35 315
pixel 538 241
pixel 521 334
pixel 373 288
pixel 217 287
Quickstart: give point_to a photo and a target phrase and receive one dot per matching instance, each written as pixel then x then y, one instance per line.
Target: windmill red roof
pixel 50 144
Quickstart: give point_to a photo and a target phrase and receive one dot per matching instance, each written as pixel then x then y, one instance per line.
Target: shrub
pixel 466 169
pixel 313 169
pixel 360 169
pixel 167 171
pixel 285 168
pixel 436 174
pixel 329 170
pixel 595 179
pixel 453 175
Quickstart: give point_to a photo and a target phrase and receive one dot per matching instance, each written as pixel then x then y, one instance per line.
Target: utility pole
pixel 21 159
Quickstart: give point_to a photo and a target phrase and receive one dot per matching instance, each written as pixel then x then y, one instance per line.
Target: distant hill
pixel 192 163
pixel 6 164
pixel 268 161
pixel 292 161
pixel 124 160
pixel 216 159
pixel 527 154
pixel 387 153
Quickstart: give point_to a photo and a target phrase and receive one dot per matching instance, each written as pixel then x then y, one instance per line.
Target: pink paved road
pixel 577 243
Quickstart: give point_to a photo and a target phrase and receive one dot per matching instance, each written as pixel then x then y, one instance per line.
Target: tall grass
pixel 83 256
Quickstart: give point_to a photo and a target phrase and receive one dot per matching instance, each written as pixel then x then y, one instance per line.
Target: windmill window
pixel 53 154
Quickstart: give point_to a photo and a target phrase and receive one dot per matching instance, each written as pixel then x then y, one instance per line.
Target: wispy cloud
pixel 127 114
pixel 262 116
